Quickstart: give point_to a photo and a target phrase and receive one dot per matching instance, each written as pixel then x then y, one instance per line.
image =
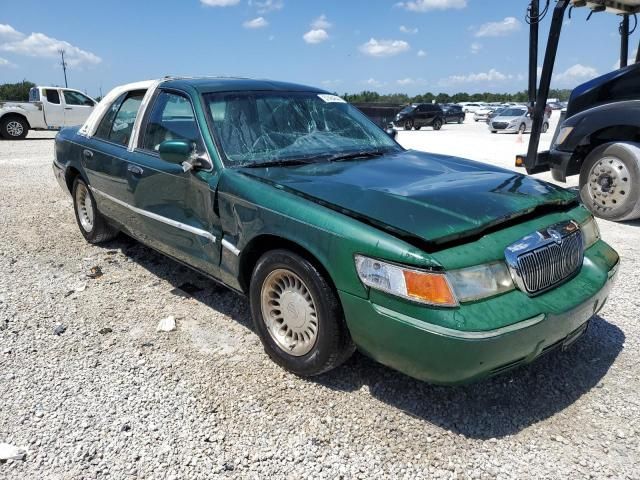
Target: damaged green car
pixel 443 268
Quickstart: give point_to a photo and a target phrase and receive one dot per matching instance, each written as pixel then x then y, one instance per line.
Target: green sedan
pixel 443 268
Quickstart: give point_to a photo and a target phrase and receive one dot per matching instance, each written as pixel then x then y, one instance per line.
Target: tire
pixel 13 128
pixel 461 120
pixel 545 127
pixel 416 127
pixel 610 181
pixel 408 125
pixel 92 224
pixel 522 129
pixel 494 131
pixel 437 124
pixel 282 272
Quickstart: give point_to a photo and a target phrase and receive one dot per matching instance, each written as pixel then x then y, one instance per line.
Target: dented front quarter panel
pixel 250 208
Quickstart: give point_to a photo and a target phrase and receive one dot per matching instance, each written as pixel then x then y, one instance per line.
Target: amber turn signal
pixel 429 287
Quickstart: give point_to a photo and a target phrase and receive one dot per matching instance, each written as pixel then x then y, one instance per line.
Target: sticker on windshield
pixel 331 98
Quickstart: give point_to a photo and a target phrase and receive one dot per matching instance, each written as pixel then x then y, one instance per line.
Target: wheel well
pixel 612 133
pixel 70 176
pixel 261 244
pixel 15 115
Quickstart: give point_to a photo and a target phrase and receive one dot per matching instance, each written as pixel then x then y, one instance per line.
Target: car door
pixel 77 107
pixel 53 109
pixel 105 159
pixel 175 207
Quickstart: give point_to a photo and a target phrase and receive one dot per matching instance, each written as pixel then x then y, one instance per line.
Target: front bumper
pixel 449 356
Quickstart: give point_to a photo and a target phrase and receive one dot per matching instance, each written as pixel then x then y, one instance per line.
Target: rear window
pixel 117 124
pixel 52 96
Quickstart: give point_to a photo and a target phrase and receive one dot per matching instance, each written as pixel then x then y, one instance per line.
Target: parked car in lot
pixel 453 113
pixel 514 120
pixel 420 115
pixel 494 113
pixel 446 269
pixel 472 107
pixel 482 114
pixel 48 108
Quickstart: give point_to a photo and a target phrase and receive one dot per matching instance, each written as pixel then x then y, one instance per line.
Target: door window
pixel 76 98
pixel 171 118
pixel 52 96
pixel 117 124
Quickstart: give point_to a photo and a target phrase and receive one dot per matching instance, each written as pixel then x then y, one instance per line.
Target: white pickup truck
pixel 48 108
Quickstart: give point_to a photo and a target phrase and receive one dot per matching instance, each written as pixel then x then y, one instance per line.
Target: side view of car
pixel 445 269
pixel 420 115
pixel 48 108
pixel 514 120
pixel 453 113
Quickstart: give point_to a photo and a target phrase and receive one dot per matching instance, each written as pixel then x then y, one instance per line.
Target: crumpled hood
pixel 436 198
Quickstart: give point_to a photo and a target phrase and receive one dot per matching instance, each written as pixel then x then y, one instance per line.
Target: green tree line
pixel 402 98
pixel 16 92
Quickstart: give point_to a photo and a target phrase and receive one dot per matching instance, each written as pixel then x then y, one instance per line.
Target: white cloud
pixel 426 5
pixel 266 6
pixel 40 45
pixel 315 36
pixel 422 53
pixel 321 23
pixel 6 63
pixel 219 3
pixel 476 47
pixel 408 30
pixel 405 81
pixel 7 32
pixel 492 75
pixel 499 29
pixel 575 75
pixel 372 82
pixel 384 48
pixel 258 22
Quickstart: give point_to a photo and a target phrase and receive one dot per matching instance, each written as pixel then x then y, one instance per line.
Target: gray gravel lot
pixel 113 398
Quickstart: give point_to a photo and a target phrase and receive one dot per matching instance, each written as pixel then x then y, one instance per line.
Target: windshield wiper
pixel 276 163
pixel 355 155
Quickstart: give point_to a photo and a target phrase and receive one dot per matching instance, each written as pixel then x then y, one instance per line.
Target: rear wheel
pixel 522 128
pixel 297 315
pixel 610 181
pixel 437 124
pixel 460 119
pixel 545 127
pixel 93 225
pixel 14 128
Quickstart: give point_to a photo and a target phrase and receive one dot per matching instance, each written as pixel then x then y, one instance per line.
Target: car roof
pixel 235 84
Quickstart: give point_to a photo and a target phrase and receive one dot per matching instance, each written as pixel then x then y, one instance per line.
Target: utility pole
pixel 64 67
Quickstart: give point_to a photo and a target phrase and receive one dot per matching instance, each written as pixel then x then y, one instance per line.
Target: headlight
pixel 480 281
pixel 590 232
pixel 420 286
pixel 563 134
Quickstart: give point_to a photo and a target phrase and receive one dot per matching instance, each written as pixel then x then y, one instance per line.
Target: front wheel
pixel 93 225
pixel 545 127
pixel 437 124
pixel 14 128
pixel 417 127
pixel 297 315
pixel 408 125
pixel 610 181
pixel 522 129
pixel 461 120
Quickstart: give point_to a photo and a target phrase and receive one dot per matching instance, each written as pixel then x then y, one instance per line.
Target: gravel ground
pixel 111 397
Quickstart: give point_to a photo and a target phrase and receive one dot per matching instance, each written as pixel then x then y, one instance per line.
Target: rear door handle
pixel 68 108
pixel 87 153
pixel 136 170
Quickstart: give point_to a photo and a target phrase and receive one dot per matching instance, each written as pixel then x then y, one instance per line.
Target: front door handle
pixel 87 154
pixel 68 108
pixel 136 170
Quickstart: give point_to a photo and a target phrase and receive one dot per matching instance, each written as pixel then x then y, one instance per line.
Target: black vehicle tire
pixel 13 128
pixel 408 125
pixel 437 124
pixel 494 131
pixel 545 127
pixel 92 224
pixel 522 128
pixel 299 283
pixel 612 169
pixel 460 119
pixel 417 127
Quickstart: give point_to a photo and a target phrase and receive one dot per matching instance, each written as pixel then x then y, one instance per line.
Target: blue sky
pixel 413 46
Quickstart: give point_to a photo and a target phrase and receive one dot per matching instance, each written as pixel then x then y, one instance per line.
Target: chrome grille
pixel 544 259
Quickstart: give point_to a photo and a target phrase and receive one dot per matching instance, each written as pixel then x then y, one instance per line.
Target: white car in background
pixel 48 108
pixel 472 107
pixel 482 114
pixel 515 120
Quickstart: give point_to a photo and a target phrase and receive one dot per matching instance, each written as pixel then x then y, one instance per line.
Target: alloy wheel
pixel 609 182
pixel 14 128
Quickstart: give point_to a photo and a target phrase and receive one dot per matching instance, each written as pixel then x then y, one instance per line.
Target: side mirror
pixel 175 151
pixel 392 132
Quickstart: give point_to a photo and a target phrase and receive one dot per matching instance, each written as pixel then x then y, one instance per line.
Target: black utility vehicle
pixel 420 115
pixel 453 113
